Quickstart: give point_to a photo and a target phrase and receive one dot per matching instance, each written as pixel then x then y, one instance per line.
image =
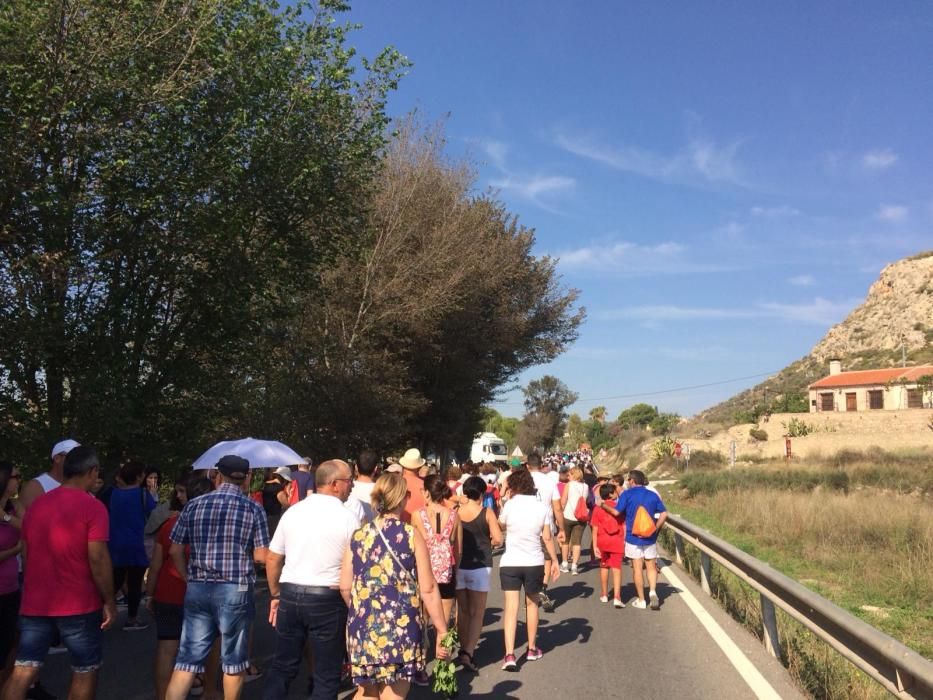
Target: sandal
pixel 465 659
pixel 197 688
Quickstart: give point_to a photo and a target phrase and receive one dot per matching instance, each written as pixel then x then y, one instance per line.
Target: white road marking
pixel 752 676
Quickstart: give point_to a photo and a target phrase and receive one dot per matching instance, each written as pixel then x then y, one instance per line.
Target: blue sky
pixel 722 180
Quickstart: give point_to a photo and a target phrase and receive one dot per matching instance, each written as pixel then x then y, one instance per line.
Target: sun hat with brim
pixel 285 473
pixel 412 459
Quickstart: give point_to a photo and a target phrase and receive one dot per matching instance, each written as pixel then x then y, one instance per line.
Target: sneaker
pixel 574 570
pixel 509 663
pixel 564 567
pixel 533 654
pixel 421 678
pixel 135 626
pixel 603 599
pixel 121 601
pixel 639 604
pixel 617 603
pixel 547 604
pixel 655 602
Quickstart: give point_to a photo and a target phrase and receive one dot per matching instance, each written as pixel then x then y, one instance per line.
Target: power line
pixel 661 391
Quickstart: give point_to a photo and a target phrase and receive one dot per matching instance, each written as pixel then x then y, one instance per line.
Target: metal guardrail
pixel 900 670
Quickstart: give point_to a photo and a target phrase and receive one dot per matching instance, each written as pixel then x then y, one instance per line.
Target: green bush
pixel 758 434
pixel 797 428
pixel 707 483
pixel 707 459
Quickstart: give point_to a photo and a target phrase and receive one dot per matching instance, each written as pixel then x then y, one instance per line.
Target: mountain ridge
pixel 893 325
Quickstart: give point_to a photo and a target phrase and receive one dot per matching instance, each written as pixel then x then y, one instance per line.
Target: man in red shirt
pixel 68 584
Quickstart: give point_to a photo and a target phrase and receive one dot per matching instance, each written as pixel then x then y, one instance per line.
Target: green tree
pixel 598 414
pixel 664 423
pixel 638 416
pixel 174 174
pixel 546 401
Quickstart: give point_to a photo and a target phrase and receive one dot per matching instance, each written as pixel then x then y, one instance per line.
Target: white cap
pixel 285 473
pixel 64 447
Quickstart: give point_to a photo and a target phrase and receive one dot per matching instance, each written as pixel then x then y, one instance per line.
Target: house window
pixel 914 398
pixel 875 398
pixel 826 401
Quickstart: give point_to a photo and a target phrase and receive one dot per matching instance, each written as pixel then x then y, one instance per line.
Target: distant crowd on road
pixel 355 557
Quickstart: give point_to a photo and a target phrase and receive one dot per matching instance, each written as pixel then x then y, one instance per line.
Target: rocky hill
pixel 898 313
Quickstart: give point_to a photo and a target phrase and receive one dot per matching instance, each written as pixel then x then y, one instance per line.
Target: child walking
pixel 609 545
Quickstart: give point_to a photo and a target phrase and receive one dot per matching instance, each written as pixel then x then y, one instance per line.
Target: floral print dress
pixel 384 630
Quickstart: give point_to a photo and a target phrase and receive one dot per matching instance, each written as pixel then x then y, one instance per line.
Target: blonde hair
pixel 576 473
pixel 389 492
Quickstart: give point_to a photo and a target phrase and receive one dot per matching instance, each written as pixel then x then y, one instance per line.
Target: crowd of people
pixel 357 558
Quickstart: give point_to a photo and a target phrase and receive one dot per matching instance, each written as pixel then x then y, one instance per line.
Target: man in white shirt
pixel 50 480
pixel 303 570
pixel 363 486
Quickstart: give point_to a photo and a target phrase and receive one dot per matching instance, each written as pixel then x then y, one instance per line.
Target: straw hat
pixel 412 459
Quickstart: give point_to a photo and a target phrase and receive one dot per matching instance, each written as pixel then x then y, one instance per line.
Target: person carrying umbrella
pixel 226 533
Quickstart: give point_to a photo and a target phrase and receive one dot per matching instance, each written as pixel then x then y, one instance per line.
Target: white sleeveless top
pixel 47 482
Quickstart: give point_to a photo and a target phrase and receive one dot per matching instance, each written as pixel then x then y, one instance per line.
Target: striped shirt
pixel 223 528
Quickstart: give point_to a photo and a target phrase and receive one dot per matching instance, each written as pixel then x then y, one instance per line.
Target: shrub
pixel 706 459
pixel 758 434
pixel 664 447
pixel 797 428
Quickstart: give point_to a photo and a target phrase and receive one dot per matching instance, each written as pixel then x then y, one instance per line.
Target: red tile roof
pixel 871 377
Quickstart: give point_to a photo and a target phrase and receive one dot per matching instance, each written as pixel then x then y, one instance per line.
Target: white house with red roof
pixel 889 389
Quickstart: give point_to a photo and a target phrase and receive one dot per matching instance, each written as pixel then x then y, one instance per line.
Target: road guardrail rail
pixel 899 669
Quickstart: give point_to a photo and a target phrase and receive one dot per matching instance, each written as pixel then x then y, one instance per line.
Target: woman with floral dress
pixel 386 575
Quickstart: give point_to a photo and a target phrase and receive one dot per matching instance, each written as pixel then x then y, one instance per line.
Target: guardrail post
pixel 706 572
pixel 679 549
pixel 769 627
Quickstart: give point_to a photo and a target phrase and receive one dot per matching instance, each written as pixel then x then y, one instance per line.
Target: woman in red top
pixel 166 588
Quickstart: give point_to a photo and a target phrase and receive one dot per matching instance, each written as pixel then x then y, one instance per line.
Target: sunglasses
pixel 349 480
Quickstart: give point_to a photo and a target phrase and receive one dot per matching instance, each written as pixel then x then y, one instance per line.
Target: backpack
pixel 581 513
pixel 489 499
pixel 440 549
pixel 643 524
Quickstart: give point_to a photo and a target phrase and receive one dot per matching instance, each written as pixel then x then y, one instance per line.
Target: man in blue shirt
pixel 226 532
pixel 644 515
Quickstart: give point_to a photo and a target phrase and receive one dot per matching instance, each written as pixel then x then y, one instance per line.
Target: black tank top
pixel 477 547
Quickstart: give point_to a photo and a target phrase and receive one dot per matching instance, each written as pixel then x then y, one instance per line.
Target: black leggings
pixel 133 575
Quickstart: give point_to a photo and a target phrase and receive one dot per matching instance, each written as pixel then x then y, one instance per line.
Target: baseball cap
pixel 233 466
pixel 285 473
pixel 63 447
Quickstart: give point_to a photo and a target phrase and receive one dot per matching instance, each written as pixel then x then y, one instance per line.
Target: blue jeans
pixel 81 635
pixel 212 608
pixel 320 617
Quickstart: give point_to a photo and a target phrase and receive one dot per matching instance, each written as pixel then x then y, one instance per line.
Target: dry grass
pixel 870 552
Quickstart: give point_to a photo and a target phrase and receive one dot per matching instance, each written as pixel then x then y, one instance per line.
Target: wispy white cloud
pixel 700 161
pixel 531 187
pixel 879 159
pixel 802 281
pixel 621 253
pixel 819 311
pixel 892 213
pixel 774 212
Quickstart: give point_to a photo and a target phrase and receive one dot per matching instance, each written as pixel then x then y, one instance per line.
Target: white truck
pixel 489 447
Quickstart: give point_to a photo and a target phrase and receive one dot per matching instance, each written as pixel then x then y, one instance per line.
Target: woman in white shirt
pixel 525 521
pixel 573 528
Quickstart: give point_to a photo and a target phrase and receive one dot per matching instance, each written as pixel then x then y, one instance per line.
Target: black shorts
pixel 448 590
pixel 514 578
pixel 168 619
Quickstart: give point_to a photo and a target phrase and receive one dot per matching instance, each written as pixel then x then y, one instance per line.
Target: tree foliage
pixel 638 416
pixel 546 401
pixel 205 232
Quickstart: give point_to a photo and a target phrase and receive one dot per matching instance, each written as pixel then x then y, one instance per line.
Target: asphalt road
pixel 590 650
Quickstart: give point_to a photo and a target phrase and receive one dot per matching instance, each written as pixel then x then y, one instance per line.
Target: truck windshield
pixel 498 449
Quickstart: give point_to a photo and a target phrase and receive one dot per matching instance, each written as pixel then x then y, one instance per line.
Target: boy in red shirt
pixel 609 545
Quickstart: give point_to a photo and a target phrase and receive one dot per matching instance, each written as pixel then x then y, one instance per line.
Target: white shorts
pixel 635 551
pixel 474 579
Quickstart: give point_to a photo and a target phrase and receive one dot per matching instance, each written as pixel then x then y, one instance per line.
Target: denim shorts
pixel 211 609
pixel 81 635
